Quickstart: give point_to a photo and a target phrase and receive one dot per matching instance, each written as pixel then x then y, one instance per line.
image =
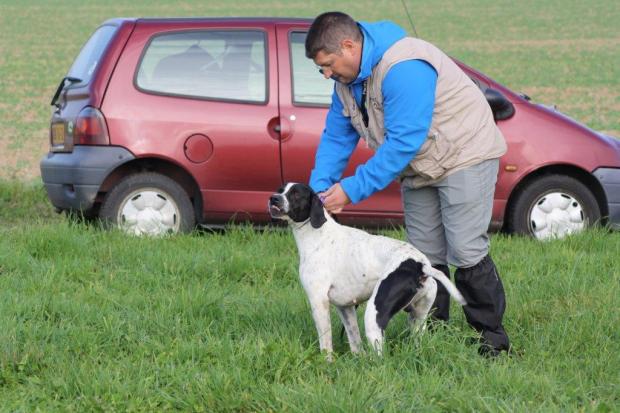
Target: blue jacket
pixel 408 100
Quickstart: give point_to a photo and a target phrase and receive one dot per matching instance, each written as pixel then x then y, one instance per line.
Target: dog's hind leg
pixel 374 332
pixel 349 320
pixel 392 294
pixel 422 306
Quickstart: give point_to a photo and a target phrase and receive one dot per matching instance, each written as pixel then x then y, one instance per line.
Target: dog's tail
pixel 441 277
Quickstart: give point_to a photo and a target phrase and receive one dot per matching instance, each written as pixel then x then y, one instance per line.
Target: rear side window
pixel 309 86
pixel 90 55
pixel 228 65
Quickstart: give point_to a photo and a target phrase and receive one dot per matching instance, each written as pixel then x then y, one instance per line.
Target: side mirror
pixel 502 108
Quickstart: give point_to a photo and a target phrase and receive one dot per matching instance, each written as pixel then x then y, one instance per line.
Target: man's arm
pixel 408 101
pixel 338 141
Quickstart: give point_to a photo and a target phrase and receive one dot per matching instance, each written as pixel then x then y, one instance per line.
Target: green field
pixel 96 321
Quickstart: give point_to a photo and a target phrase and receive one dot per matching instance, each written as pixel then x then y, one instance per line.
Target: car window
pixel 227 65
pixel 309 86
pixel 86 62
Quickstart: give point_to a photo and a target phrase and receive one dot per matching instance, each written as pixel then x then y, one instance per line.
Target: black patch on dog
pixel 397 290
pixel 317 214
pixel 304 204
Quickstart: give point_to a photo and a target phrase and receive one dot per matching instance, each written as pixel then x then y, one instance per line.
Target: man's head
pixel 334 43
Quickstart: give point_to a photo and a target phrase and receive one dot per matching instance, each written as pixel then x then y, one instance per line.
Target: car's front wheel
pixel 553 206
pixel 148 204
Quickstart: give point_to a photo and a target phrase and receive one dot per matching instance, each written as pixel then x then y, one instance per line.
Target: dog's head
pixel 297 203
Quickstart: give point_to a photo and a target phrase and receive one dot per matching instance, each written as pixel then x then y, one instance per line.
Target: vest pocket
pixel 439 155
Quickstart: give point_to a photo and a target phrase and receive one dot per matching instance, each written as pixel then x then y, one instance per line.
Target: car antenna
pixel 410 19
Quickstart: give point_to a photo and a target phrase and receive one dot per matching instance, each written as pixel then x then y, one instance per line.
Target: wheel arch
pixel 573 171
pixel 161 166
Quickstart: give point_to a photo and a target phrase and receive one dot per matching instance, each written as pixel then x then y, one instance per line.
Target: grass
pixel 96 321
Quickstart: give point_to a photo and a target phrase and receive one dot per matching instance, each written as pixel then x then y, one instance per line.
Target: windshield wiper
pixel 62 85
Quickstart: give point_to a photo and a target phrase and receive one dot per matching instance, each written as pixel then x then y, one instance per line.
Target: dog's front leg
pixel 320 313
pixel 349 320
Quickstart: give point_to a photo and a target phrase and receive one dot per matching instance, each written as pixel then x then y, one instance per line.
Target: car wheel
pixel 148 204
pixel 553 206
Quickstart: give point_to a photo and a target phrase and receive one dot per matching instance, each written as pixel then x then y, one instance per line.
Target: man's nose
pixel 326 73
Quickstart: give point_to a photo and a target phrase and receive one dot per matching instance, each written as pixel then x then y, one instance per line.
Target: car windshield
pixel 90 55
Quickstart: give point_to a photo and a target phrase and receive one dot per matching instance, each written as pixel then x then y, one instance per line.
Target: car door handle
pixel 286 128
pixel 280 128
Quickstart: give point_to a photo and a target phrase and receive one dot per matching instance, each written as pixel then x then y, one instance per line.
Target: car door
pixel 202 94
pixel 305 97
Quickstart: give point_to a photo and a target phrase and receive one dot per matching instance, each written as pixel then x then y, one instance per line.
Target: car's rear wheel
pixel 553 206
pixel 148 204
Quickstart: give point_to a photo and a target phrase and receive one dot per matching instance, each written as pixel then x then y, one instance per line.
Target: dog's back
pixel 393 253
pixel 389 251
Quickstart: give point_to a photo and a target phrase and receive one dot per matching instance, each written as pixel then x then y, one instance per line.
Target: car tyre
pixel 553 206
pixel 148 204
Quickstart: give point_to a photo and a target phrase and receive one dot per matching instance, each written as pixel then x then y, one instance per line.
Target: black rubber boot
pixel 486 302
pixel 440 311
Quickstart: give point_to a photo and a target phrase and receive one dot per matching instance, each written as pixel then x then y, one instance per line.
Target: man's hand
pixel 334 199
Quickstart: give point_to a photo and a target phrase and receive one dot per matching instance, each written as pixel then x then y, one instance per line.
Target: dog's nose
pixel 273 199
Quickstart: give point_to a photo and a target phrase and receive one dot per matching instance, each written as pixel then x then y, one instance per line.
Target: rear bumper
pixel 610 181
pixel 72 180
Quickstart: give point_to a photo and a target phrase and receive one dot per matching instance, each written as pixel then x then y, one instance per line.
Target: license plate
pixel 58 134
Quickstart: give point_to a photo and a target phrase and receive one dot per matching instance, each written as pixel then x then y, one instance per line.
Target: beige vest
pixel 462 132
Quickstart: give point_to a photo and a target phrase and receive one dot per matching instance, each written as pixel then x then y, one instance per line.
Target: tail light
pixel 90 128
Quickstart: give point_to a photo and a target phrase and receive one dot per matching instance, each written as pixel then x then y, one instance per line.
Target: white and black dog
pixel 345 266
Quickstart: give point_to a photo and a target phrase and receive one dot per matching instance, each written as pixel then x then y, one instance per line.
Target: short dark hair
pixel 328 30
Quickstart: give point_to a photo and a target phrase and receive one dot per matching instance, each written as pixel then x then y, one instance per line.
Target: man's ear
pixel 347 44
pixel 317 213
pixel 350 47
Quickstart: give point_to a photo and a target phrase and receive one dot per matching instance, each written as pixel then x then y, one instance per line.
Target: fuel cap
pixel 198 148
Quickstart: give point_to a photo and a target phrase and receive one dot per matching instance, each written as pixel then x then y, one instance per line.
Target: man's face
pixel 342 67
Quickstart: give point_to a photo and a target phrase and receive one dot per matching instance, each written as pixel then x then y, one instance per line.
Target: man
pixel 433 131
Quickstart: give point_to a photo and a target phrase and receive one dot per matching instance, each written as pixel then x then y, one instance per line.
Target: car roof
pixel 242 20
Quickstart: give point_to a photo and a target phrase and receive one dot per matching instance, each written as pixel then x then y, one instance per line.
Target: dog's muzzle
pixel 278 207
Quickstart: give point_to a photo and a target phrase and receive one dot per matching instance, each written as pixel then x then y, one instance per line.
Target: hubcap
pixel 555 215
pixel 149 212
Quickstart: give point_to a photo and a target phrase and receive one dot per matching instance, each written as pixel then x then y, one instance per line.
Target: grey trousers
pixel 448 221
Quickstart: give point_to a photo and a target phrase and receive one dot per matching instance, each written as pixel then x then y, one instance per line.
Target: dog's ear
pixel 317 214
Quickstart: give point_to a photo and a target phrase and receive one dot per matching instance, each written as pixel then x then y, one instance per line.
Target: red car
pixel 162 124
